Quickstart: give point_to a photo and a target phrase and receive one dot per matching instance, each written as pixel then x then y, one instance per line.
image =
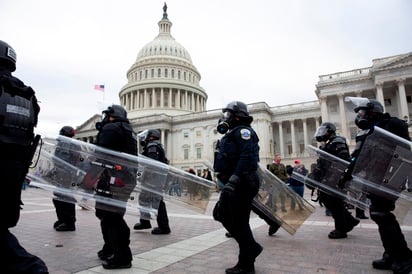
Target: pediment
pixel 398 61
pixel 90 123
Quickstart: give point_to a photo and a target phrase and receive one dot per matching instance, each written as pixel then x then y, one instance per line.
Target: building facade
pixel 163 91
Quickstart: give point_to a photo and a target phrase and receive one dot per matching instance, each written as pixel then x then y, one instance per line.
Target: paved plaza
pixel 197 243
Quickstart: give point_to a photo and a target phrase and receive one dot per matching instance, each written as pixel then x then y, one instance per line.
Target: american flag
pixel 99 87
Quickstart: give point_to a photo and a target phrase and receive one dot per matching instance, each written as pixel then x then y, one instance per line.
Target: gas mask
pixel 104 121
pixel 321 134
pixel 362 120
pixel 224 122
pixel 143 136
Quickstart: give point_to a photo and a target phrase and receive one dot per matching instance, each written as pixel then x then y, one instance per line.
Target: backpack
pixel 18 111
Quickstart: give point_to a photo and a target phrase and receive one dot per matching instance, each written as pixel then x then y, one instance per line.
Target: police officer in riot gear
pixel 18 117
pixel 397 256
pixel 236 162
pixel 65 210
pixel 116 133
pixel 335 145
pixel 152 148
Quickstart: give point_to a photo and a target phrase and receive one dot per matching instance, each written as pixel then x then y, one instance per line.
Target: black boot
pixel 336 234
pixel 65 227
pixel 159 231
pixel 144 224
pixel 273 229
pixel 402 267
pixel 115 264
pixel 385 263
pixel 238 270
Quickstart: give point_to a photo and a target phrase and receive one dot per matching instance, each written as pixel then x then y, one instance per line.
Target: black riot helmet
pixel 325 131
pixel 147 135
pixel 67 131
pixel 8 56
pixel 368 111
pixel 237 108
pixel 234 114
pixel 115 111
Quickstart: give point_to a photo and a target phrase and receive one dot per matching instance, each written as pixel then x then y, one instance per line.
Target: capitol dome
pixel 164 45
pixel 163 78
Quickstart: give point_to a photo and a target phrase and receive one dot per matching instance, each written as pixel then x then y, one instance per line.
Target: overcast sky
pixel 252 51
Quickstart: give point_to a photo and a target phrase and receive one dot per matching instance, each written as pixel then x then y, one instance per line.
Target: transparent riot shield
pixel 279 203
pixel 174 184
pixel 329 169
pixel 384 166
pixel 276 203
pixel 111 180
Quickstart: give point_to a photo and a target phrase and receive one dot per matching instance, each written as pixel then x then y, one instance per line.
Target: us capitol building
pixel 163 91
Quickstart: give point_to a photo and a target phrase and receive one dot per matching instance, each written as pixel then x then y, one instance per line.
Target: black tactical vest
pixel 18 111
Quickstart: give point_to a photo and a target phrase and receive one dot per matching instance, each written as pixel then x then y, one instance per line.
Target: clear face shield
pixel 321 134
pixel 142 136
pixel 105 116
pixel 357 102
pixel 359 114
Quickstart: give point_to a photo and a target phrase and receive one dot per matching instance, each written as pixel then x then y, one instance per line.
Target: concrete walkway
pixel 197 243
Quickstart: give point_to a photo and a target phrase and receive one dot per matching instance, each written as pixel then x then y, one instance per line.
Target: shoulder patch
pixel 245 134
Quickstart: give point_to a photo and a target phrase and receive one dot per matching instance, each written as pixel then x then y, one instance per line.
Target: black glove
pixel 231 185
pixel 224 210
pixel 346 176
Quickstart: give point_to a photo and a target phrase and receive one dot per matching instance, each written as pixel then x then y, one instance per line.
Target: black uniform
pixel 64 204
pixel 236 162
pixel 344 221
pixel 393 240
pixel 154 150
pixel 17 121
pixel 117 135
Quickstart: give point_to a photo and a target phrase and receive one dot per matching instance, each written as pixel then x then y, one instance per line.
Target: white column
pixel 192 99
pixel 170 97
pixel 153 97
pixel 293 138
pixel 402 99
pixel 324 108
pixel 137 99
pixel 186 98
pixel 178 102
pixel 127 101
pixel 145 99
pixel 168 145
pixel 162 136
pixel 379 94
pixel 161 98
pixel 281 142
pixel 342 114
pixel 305 132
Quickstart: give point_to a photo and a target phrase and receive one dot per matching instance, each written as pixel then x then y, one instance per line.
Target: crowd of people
pixel 235 167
